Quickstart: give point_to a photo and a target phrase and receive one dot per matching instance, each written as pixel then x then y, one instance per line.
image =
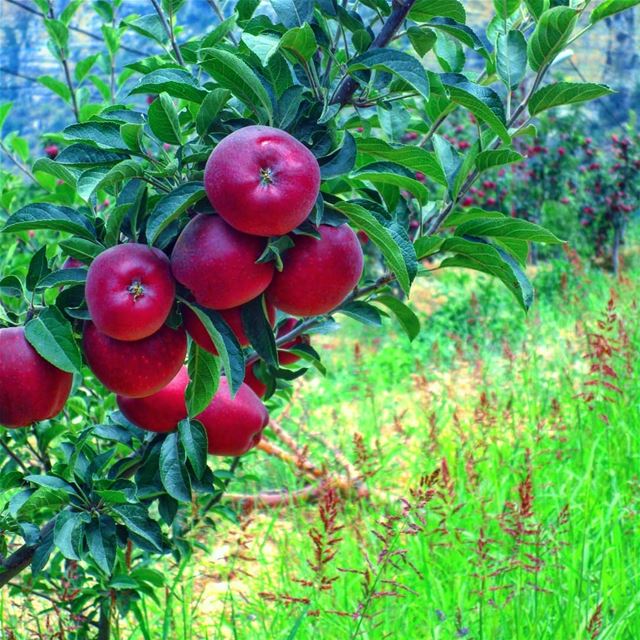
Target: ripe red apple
pixel 135 368
pixel 233 425
pixel 318 274
pixel 31 389
pixel 262 181
pixel 161 411
pixel 233 317
pixel 218 264
pixel 284 355
pixel 130 291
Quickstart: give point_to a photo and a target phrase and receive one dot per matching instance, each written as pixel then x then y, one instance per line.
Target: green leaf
pixel 138 522
pixel 84 155
pixel 131 134
pixel 163 120
pixel 561 93
pixel 300 42
pixel 550 36
pixel 38 268
pixel 125 170
pixel 5 108
pixel 104 135
pixel 341 161
pixel 496 157
pixel 53 482
pixel 51 335
pixel 482 101
pixel 63 278
pixel 49 216
pixel 362 312
pixel 411 156
pixel 173 472
pixel 427 246
pixel 460 32
pixel 59 171
pixel 149 26
pixel 178 83
pixel 258 329
pixel 194 440
pixel 58 33
pixel 392 173
pixel 537 7
pixel 230 72
pixel 263 45
pixel 399 63
pixel 493 261
pixel 362 219
pixel 504 8
pixel 83 66
pixel 101 538
pixel 505 227
pixel 226 344
pixel 424 10
pixel 511 58
pixel 611 7
pixel 57 86
pixel 171 206
pixel 293 13
pixel 81 249
pixel 204 376
pixel 68 532
pixel 406 317
pixel 422 39
pixel 449 160
pixel 210 108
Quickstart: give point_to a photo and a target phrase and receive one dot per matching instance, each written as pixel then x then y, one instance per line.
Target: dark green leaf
pixel 496 157
pixel 511 58
pixel 561 93
pixel 406 317
pixel 362 312
pixel 611 7
pixel 293 13
pixel 507 227
pixel 173 472
pixel 424 10
pixel 51 335
pixel 101 538
pixel 341 161
pixel 204 375
pixel 163 120
pixel 178 83
pixel 550 36
pixel 194 440
pixel 392 173
pixel 171 207
pixel 402 64
pixel 137 521
pixel 49 216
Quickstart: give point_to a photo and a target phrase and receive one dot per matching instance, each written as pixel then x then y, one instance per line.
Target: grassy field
pixel 500 456
pixel 502 459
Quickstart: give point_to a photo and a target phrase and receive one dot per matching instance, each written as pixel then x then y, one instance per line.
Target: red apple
pixel 31 389
pixel 233 317
pixel 135 368
pixel 284 355
pixel 130 291
pixel 233 425
pixel 318 274
pixel 161 411
pixel 218 264
pixel 262 181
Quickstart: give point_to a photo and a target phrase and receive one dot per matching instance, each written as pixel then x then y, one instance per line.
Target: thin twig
pixel 17 162
pixel 169 31
pixel 218 11
pixel 13 456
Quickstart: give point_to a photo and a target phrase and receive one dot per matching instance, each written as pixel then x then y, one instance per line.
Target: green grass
pixel 528 524
pixel 494 400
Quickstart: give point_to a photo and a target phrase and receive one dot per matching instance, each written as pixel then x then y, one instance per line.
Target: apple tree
pixel 191 244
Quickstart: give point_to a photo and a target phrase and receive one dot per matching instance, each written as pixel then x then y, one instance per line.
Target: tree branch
pixel 169 30
pixel 399 11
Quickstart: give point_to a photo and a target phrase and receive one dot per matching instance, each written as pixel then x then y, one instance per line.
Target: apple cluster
pixel 262 183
